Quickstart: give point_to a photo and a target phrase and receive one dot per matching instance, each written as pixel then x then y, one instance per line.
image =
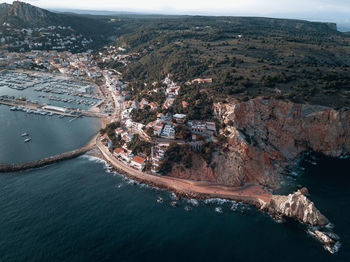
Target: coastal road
pixel 254 194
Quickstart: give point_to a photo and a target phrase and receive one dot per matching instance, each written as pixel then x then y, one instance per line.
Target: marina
pixel 44 114
pixel 31 107
pixel 48 89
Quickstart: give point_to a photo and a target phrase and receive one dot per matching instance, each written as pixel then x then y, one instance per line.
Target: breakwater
pixel 48 160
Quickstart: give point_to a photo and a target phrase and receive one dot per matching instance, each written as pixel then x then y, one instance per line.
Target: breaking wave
pixel 217 201
pixel 219 210
pixel 98 160
pixel 193 202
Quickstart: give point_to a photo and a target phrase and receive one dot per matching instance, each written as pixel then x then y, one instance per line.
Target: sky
pixel 320 10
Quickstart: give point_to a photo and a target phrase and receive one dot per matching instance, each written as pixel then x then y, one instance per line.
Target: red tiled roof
pixel 118 150
pixel 138 159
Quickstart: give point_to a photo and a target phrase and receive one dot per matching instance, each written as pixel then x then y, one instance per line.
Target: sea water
pixel 79 210
pixel 50 135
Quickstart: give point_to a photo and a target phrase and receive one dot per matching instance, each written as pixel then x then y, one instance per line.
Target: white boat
pixel 27 140
pixel 24 134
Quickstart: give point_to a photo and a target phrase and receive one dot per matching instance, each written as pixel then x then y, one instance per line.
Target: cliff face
pixel 266 136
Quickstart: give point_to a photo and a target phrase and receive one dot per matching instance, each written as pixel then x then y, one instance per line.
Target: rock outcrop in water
pixel 297 206
pixel 328 241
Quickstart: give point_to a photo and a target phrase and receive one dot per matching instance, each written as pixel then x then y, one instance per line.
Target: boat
pixel 25 134
pixel 27 140
pixel 13 108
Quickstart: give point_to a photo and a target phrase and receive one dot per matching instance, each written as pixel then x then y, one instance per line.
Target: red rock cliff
pixel 266 136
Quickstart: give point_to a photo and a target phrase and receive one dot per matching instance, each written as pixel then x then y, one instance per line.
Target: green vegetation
pixel 176 154
pixel 182 132
pixel 110 127
pixel 181 154
pixel 138 146
pixel 143 116
pixel 246 57
pixel 207 151
pixel 117 141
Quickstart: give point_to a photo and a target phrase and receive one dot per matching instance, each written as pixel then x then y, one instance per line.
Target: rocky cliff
pixel 264 136
pixel 297 206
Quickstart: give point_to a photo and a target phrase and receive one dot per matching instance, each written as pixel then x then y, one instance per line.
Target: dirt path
pixel 251 194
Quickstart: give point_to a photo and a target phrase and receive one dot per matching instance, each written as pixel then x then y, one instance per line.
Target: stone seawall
pixel 48 160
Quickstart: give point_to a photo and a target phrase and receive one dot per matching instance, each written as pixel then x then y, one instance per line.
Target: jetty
pixel 6 168
pixel 50 109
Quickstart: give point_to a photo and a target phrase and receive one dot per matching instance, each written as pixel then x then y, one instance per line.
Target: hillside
pixel 246 57
pixel 23 15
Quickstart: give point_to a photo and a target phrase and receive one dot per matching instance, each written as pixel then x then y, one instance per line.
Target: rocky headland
pixel 263 138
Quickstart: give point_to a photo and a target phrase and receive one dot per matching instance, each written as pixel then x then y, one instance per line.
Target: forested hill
pixel 246 57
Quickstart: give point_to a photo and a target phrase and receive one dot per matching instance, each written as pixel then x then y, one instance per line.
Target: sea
pixel 81 210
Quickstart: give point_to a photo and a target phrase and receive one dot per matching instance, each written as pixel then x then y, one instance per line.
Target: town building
pixel 138 162
pixel 168 132
pixel 179 118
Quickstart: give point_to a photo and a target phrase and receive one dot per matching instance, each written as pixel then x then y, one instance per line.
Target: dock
pixel 75 113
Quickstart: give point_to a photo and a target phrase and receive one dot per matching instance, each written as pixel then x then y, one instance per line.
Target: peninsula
pixel 203 107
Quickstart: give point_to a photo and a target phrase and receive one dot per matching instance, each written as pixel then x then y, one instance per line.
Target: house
pixel 134 125
pixel 117 152
pixel 106 141
pixel 211 126
pixel 138 162
pixel 179 118
pixel 126 156
pixel 197 127
pixel 143 103
pixel 184 104
pixel 127 137
pixel 202 81
pixel 153 105
pixel 172 90
pixel 157 129
pixel 168 132
pixel 201 127
pixel 118 131
pixel 169 102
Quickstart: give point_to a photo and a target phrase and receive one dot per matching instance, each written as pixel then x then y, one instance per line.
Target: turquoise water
pixel 80 211
pixel 50 135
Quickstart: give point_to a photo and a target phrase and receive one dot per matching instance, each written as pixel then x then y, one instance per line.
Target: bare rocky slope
pixel 267 135
pixel 297 206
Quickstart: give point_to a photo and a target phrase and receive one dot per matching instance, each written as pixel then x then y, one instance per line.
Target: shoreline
pixel 253 195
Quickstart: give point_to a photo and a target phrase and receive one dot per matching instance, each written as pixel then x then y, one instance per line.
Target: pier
pixel 6 168
pixel 34 106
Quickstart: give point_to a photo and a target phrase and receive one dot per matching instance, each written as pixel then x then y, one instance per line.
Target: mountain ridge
pixel 24 15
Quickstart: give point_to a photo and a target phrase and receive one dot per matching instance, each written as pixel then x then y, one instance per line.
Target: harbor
pixel 30 107
pixel 45 114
